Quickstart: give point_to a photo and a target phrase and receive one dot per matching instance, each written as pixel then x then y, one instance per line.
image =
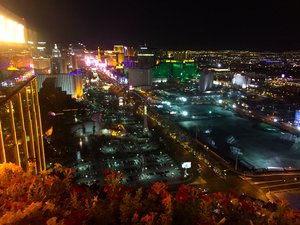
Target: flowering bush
pixel 26 198
pixel 53 198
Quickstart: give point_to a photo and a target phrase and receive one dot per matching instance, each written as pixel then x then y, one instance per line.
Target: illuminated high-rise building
pixel 130 52
pixel 183 70
pixel 119 48
pixel 129 61
pixel 99 55
pixel 139 77
pixel 21 138
pixel 240 80
pixel 70 59
pixel 56 61
pixel 12 29
pixel 110 58
pixel 41 60
pixel 120 53
pixel 146 57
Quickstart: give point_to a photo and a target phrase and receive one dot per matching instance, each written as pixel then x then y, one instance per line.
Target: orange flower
pixel 146 218
pixel 167 200
pixel 49 180
pixel 158 188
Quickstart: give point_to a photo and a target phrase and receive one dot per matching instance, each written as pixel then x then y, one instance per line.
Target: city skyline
pixel 180 116
pixel 255 26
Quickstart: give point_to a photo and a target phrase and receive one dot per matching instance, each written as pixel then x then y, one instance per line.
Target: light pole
pixel 236 159
pixel 238 152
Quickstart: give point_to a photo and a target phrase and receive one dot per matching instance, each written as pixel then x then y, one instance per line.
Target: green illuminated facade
pixel 179 69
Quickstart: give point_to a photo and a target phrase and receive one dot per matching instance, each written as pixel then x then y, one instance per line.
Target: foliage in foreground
pixel 52 198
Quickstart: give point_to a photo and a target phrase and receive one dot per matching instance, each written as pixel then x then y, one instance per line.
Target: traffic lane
pixel 266 178
pixel 282 187
pixel 232 183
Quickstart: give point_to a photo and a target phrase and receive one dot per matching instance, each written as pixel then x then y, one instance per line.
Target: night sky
pixel 196 25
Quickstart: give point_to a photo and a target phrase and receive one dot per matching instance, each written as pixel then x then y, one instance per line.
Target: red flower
pixel 78 190
pixel 77 217
pixel 225 202
pixel 106 171
pixel 70 221
pixel 247 206
pixel 79 214
pixel 183 193
pixel 126 189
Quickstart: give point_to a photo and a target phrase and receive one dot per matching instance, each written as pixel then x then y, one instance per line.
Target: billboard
pixel 186 165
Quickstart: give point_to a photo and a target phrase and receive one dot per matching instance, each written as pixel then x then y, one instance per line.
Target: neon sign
pixel 11 31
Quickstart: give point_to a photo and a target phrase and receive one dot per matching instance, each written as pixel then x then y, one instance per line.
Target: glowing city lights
pixel 166 103
pixel 184 113
pixel 184 99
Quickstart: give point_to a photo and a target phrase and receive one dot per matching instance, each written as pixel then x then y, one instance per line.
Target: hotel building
pixel 21 137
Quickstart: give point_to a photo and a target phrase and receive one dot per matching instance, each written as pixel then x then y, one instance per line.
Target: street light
pixel 237 152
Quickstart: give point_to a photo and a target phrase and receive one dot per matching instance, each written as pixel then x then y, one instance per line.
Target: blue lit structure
pixel 297 118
